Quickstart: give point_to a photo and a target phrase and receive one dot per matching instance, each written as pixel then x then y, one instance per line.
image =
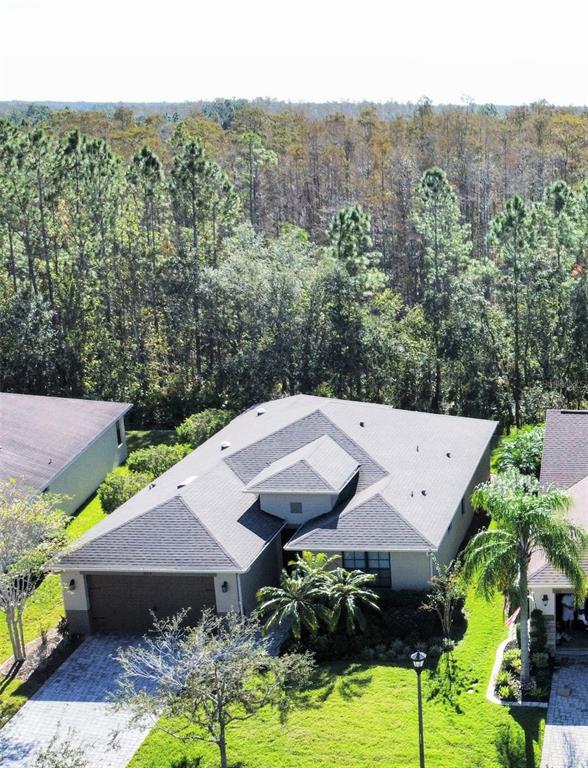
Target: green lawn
pixel 143 438
pixel 365 715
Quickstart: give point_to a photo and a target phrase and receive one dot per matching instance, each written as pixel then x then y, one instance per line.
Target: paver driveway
pixel 74 704
pixel 565 744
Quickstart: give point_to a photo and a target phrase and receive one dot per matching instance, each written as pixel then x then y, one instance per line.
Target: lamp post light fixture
pixel 418 660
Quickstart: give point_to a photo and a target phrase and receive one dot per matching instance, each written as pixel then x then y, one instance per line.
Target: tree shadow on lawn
pixel 448 681
pixel 348 680
pixel 529 720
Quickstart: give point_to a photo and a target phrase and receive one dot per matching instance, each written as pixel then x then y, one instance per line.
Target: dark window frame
pixel 119 436
pixel 380 567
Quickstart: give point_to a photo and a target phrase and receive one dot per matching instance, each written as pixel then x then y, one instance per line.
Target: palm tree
pixel 348 594
pixel 526 518
pixel 296 601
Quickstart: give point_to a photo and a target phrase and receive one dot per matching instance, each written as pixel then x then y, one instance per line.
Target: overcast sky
pixel 504 51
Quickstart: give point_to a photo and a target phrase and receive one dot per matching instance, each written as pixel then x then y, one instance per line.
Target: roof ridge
pixel 403 518
pixel 207 529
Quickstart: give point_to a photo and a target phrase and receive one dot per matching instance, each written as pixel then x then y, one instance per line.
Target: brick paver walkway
pixel 565 744
pixel 74 705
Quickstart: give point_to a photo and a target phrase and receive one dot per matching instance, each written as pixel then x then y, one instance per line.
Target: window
pixel 295 507
pixel 118 433
pixel 462 507
pixel 376 563
pixel 354 561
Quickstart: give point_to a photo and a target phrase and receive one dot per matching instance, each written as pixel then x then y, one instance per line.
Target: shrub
pixel 507 692
pixel 522 450
pixel 540 660
pixel 538 633
pixel 503 678
pixel 119 486
pixel 196 429
pixel 512 660
pixel 157 459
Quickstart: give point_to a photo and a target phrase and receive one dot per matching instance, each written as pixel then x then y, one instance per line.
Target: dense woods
pixel 432 260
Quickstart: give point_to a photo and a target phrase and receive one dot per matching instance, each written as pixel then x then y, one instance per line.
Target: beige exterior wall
pixel 229 600
pixel 313 505
pixel 80 479
pixel 76 603
pixel 265 571
pixel 410 570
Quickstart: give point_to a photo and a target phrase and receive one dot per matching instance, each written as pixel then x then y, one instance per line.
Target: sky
pixel 504 51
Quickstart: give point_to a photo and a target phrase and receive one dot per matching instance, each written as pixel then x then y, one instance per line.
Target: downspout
pixel 239 595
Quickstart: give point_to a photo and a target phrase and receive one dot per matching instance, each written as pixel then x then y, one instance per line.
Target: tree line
pixel 433 261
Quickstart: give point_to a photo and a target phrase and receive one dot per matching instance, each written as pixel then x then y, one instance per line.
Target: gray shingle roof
pixel 169 537
pixel 540 571
pixel 40 436
pixel 322 466
pixel 371 525
pixel 565 449
pixel 399 453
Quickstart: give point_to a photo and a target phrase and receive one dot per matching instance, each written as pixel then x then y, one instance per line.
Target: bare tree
pixel 447 592
pixel 193 683
pixel 31 529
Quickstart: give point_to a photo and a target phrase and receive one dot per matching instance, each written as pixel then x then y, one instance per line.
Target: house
pixel 387 490
pixel 564 465
pixel 60 444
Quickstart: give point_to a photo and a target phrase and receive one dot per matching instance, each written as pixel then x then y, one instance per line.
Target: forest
pixel 432 260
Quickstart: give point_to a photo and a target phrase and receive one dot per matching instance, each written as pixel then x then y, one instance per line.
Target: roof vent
pixel 411 494
pixel 151 485
pixel 225 444
pixel 424 492
pixel 260 411
pixel 417 449
pixel 362 423
pixel 448 454
pixel 186 481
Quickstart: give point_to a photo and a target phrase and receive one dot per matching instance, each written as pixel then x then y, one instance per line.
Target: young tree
pixel 447 593
pixel 195 683
pixel 526 519
pixel 31 530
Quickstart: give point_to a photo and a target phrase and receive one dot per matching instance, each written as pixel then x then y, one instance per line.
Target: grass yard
pixel 143 438
pixel 365 715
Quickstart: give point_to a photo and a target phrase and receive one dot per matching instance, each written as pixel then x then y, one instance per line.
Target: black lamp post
pixel 418 659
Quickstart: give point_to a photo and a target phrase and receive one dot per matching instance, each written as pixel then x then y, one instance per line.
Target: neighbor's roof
pixel 414 469
pixel 322 466
pixel 540 571
pixel 40 436
pixel 565 448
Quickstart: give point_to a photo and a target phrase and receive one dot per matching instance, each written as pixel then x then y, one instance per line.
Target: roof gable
pixel 321 466
pixel 374 524
pixel 167 537
pixel 251 460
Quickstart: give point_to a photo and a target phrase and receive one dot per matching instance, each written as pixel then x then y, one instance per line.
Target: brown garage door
pixel 121 603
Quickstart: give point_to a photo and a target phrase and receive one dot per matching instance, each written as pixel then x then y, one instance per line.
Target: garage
pixel 122 602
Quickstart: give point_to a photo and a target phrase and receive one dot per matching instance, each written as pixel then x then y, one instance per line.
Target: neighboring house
pixel 60 444
pixel 385 489
pixel 564 465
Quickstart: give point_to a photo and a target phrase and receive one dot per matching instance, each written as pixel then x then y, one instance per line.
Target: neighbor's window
pixel 376 563
pixel 118 433
pixel 295 508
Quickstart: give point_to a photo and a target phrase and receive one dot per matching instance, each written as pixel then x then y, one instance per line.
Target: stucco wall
pixel 229 600
pixel 76 603
pixel 80 479
pixel 462 517
pixel 313 505
pixel 410 570
pixel 265 571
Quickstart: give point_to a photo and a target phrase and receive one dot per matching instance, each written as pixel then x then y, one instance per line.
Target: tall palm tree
pixel 348 594
pixel 296 601
pixel 526 519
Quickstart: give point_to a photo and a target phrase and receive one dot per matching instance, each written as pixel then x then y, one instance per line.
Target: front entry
pixel 571 622
pixel 123 602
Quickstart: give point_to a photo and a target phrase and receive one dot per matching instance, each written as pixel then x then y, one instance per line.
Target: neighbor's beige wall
pixel 83 476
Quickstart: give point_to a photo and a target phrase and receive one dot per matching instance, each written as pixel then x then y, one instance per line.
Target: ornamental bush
pixel 157 459
pixel 196 429
pixel 119 486
pixel 522 450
